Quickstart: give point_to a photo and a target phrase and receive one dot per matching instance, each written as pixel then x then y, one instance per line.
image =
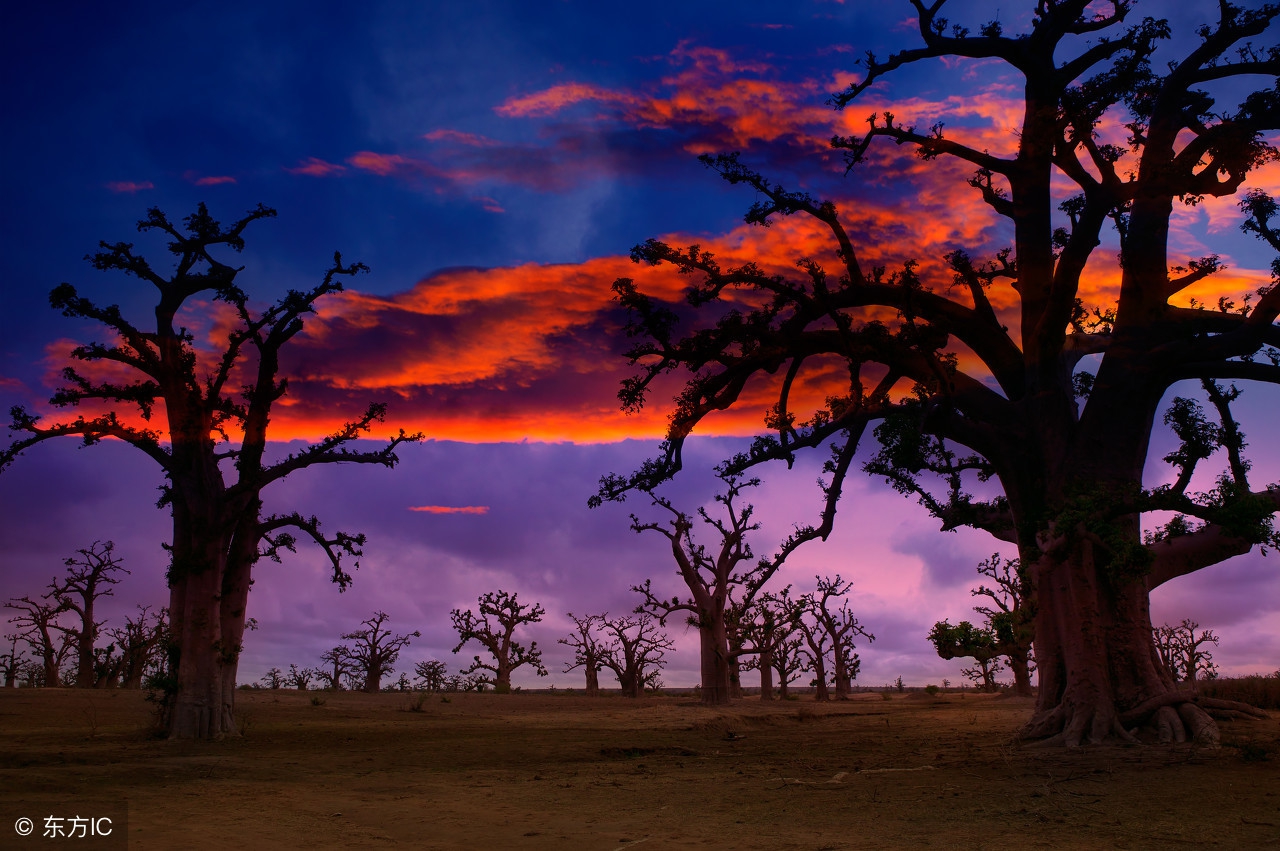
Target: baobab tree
pixel 211 448
pixel 373 651
pixel 585 641
pixel 1007 632
pixel 1185 654
pixel 337 669
pixel 430 675
pixel 141 645
pixel 841 627
pixel 299 678
pixel 999 354
pixel 763 630
pixel 636 652
pixel 496 637
pixel 713 577
pixel 36 623
pixel 90 575
pixel 12 661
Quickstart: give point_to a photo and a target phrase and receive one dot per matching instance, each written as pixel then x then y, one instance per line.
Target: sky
pixel 493 163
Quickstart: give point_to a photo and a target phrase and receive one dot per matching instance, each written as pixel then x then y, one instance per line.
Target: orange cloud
pixel 129 186
pixel 451 509
pixel 314 167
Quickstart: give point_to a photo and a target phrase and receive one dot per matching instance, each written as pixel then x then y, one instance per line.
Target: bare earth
pixel 567 771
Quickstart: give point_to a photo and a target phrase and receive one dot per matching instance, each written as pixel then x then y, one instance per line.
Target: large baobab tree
pixel 215 407
pixel 713 577
pixel 1054 398
pixel 90 575
pixel 373 651
pixel 496 636
pixel 37 624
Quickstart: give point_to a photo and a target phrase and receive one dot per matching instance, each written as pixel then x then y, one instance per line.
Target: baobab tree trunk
pixel 200 709
pixel 766 675
pixel 1100 673
pixel 1021 668
pixel 593 678
pixel 715 664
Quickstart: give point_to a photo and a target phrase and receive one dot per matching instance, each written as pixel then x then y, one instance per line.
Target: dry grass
pixel 542 771
pixel 1255 690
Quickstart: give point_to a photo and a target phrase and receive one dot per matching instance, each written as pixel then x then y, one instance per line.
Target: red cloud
pixel 314 167
pixel 215 180
pixel 451 509
pixel 129 186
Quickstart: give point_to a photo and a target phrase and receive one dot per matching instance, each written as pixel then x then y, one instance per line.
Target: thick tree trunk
pixel 715 664
pixel 1019 665
pixel 1097 658
pixel 766 675
pixel 593 678
pixel 200 709
pixel 502 679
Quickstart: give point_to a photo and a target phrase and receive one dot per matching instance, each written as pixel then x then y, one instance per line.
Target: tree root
pixel 1177 717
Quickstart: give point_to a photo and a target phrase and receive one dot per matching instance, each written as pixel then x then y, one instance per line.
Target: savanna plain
pixel 564 770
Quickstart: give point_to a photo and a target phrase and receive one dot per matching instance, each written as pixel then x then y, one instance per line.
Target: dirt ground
pixel 567 771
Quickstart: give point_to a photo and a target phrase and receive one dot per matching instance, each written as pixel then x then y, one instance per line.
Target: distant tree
pixel 12 661
pixel 841 626
pixel 496 636
pixel 713 578
pixel 141 645
pixel 816 650
pixel 273 678
pixel 636 652
pixel 585 642
pixel 209 435
pixel 1008 631
pixel 788 662
pixel 1184 652
pixel 1115 128
pixel 299 678
pixel 338 667
pixel 89 576
pixel 431 675
pixel 36 622
pixel 374 650
pixel 964 640
pixel 761 631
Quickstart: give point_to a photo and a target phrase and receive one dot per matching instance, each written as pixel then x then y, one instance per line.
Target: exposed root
pixel 1202 728
pixel 1232 706
pixel 1169 726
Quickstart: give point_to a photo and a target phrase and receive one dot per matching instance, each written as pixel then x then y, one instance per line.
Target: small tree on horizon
pixel 1185 653
pixel 431 675
pixel 636 652
pixel 88 578
pixel 374 650
pixel 1008 631
pixel 496 636
pixel 338 667
pixel 587 650
pixel 11 661
pixel 37 626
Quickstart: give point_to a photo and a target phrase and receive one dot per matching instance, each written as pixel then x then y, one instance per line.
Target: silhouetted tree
pixel 712 578
pixel 636 652
pixel 762 630
pixel 1184 653
pixel 496 637
pixel 299 678
pixel 585 642
pixel 11 661
pixel 212 447
pixel 1066 444
pixel 841 626
pixel 36 622
pixel 374 650
pixel 431 675
pixel 337 669
pixel 816 647
pixel 1007 632
pixel 788 662
pixel 273 678
pixel 88 577
pixel 141 645
pixel 964 640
